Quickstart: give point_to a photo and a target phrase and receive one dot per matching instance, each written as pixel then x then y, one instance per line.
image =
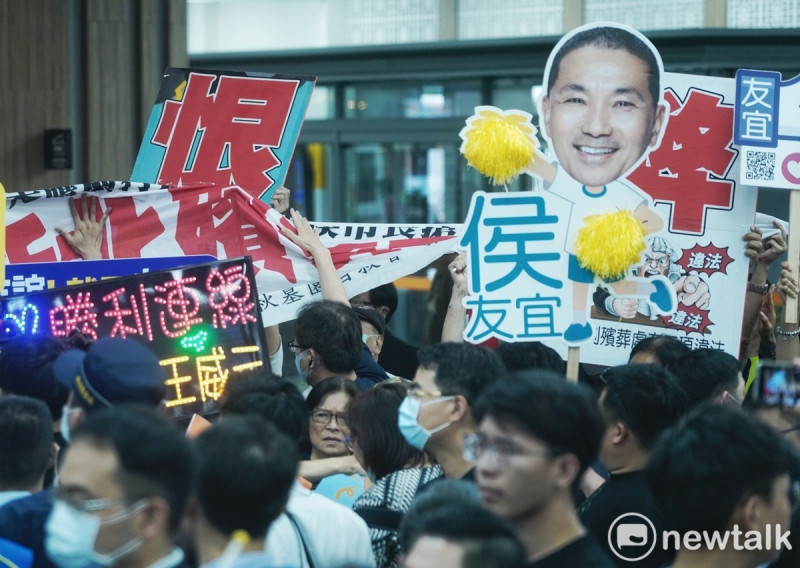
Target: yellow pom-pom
pixel 608 244
pixel 499 144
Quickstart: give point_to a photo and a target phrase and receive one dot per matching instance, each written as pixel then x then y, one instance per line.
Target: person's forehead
pixel 90 471
pixel 618 64
pixel 494 429
pixel 336 401
pixel 426 379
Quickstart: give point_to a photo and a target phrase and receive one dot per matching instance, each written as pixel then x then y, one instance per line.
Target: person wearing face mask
pixel 436 414
pixel 398 470
pixel 124 483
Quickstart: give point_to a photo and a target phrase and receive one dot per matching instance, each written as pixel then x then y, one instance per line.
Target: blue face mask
pixel 297 358
pixel 70 535
pixel 410 428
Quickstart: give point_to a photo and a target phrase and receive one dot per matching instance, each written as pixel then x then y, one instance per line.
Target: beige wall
pixel 89 65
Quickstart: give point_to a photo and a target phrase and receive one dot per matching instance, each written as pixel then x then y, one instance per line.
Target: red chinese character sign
pixel 224 128
pixel 202 321
pixel 638 229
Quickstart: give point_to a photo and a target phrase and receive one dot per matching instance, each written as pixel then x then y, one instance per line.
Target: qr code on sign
pixel 760 165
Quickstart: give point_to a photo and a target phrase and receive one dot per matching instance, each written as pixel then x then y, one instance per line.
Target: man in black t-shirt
pixel 638 403
pixel 537 434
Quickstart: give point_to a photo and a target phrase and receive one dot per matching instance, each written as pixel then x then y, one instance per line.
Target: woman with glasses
pixel 329 431
pixel 398 471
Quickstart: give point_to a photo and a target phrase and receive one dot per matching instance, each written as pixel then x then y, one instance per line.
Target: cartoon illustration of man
pixel 602 110
pixel 660 259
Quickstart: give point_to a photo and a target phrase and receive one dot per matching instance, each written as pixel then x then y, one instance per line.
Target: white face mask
pixel 70 535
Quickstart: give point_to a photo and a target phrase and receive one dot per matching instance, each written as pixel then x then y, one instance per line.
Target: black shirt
pixel 624 493
pixel 581 553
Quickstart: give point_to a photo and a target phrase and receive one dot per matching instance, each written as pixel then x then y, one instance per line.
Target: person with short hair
pixel 246 468
pixel 373 328
pixel 313 530
pixel 664 350
pixel 126 478
pixel 463 535
pixel 722 470
pixel 710 375
pixel 398 357
pixel 537 434
pixel 26 446
pixel 26 368
pixel 329 431
pixel 638 403
pixel 522 355
pixel 436 414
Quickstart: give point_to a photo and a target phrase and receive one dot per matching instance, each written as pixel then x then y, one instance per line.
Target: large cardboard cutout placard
pixel 628 146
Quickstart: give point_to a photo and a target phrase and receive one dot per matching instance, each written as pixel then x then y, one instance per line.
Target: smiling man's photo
pixel 602 112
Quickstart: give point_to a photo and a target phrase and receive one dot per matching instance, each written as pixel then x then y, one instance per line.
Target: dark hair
pixel 26 437
pixel 530 355
pixel 272 398
pixel 372 317
pixel 701 469
pixel 646 398
pixel 486 540
pixel 461 368
pixel 706 373
pixel 26 368
pixel 563 415
pixel 333 330
pixel 610 37
pixel 435 495
pixel 317 394
pixel 384 295
pixel 154 455
pixel 246 470
pixel 328 386
pixel 665 348
pixel 372 417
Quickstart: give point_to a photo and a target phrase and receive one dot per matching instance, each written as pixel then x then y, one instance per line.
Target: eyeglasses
pixel 366 336
pixel 294 347
pixel 324 417
pixel 734 399
pixel 86 505
pixel 417 392
pixel 499 453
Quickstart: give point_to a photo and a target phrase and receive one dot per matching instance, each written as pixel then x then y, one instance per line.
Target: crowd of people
pixel 445 455
pixel 484 456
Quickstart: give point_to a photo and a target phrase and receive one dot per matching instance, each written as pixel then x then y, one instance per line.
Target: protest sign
pixel 202 322
pixel 156 221
pixel 767 127
pixel 225 128
pixel 635 144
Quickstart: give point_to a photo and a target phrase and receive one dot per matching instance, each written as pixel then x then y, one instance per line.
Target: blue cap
pixel 112 371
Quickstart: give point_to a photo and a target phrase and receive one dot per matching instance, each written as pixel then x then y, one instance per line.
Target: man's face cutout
pixel 599 115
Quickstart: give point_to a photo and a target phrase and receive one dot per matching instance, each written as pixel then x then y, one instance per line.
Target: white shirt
pixel 334 535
